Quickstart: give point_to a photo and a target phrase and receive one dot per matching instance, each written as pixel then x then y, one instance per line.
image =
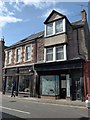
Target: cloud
pixel 6 16
pixel 36 3
pixel 8 19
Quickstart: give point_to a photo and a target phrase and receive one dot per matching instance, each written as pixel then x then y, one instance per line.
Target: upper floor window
pixel 55 53
pixel 49 29
pixel 55 27
pixel 9 57
pixel 59 53
pixel 58 26
pixel 49 54
pixel 28 52
pixel 18 55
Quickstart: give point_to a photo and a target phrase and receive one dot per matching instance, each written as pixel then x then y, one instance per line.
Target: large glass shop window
pixel 24 84
pixel 49 85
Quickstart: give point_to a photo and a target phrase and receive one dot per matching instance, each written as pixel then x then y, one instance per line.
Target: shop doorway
pixel 63 88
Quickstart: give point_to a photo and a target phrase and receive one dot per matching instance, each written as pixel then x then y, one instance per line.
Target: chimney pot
pixel 84 15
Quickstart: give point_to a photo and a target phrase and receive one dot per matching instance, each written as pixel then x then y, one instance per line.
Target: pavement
pixel 63 102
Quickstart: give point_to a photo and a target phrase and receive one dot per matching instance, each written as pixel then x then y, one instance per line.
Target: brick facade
pixel 86 71
pixel 77 51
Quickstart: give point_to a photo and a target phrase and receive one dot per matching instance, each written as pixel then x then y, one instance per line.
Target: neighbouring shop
pixel 23 77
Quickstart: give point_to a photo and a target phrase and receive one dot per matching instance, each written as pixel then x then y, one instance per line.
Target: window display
pixel 50 85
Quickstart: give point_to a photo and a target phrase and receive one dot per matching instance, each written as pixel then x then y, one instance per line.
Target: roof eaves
pixel 52 14
pixel 27 39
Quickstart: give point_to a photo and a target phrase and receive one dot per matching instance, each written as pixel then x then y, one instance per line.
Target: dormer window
pixel 49 29
pixel 55 27
pixel 58 26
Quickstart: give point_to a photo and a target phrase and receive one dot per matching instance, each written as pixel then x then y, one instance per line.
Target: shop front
pixel 23 76
pixel 61 80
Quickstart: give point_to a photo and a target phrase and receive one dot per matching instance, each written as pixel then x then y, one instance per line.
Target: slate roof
pixel 32 37
pixel 77 24
pixel 27 39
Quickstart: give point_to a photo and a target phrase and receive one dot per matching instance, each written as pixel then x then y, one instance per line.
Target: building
pixel 1 60
pixel 50 63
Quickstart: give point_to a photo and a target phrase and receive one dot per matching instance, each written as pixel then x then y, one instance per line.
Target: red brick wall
pixel 86 78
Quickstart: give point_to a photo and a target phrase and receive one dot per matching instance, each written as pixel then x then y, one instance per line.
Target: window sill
pixel 55 61
pixel 27 60
pixel 55 34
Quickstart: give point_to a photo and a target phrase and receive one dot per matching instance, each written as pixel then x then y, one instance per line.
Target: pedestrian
pixel 13 88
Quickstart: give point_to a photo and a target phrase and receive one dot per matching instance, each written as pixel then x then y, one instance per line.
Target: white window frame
pixel 54 54
pixel 30 54
pixel 46 55
pixel 9 61
pixel 54 28
pixel 16 55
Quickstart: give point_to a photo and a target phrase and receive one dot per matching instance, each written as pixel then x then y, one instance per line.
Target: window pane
pixel 49 54
pixel 24 83
pixel 49 57
pixel 49 85
pixel 18 54
pixel 9 57
pixel 59 26
pixel 59 53
pixel 9 84
pixel 28 52
pixel 49 29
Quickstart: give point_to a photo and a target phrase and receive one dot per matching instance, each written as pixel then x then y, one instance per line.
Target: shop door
pixel 63 89
pixel 78 90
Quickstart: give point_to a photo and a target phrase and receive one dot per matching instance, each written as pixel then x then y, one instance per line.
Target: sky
pixel 21 18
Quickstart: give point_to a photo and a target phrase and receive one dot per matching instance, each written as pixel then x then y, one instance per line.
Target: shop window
pixel 24 84
pixel 49 85
pixel 9 84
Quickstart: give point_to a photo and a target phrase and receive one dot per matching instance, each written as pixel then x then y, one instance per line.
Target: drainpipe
pixel 34 81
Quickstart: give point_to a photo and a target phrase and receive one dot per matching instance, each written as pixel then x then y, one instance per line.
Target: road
pixel 23 109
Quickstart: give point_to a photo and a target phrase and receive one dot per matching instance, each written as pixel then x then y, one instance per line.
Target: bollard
pixel 87 102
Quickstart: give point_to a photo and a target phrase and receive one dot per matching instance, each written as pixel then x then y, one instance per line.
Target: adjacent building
pixel 51 63
pixel 2 47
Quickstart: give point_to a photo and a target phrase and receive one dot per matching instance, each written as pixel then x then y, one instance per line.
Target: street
pixel 23 109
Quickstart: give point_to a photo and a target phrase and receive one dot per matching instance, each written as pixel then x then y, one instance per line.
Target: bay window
pixel 49 54
pixel 59 52
pixel 55 53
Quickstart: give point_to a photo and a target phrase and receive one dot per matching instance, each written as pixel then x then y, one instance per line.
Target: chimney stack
pixel 84 15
